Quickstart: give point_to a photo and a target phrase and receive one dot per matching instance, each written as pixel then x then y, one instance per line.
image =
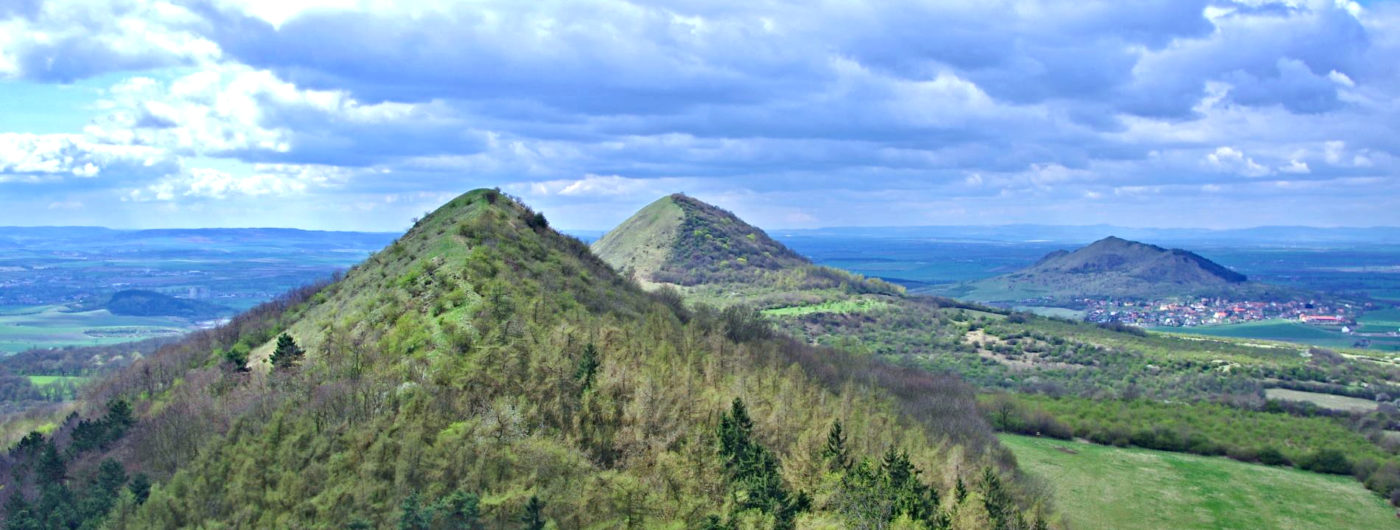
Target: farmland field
pixel 1291 331
pixel 51 326
pixel 1327 401
pixel 1111 487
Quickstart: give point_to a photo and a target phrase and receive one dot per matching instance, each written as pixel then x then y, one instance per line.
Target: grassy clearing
pixel 1327 401
pixel 45 380
pixel 839 306
pixel 1109 487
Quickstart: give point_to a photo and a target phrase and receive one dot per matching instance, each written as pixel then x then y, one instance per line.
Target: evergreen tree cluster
pixel 62 501
pixel 753 472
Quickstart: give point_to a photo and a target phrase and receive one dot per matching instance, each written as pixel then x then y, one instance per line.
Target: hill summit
pixel 1112 267
pixel 681 240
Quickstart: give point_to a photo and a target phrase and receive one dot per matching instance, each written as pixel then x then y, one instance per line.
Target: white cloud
pixel 1296 167
pixel 1232 160
pixel 27 157
pixel 263 180
pixel 597 186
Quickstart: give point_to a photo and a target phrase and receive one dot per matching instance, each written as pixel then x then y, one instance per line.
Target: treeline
pixel 1318 444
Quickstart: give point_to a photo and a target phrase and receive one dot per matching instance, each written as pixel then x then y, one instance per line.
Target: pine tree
pixel 533 516
pixel 459 511
pixel 587 366
pixel 414 517
pixel 140 488
pixel 837 457
pixel 1000 506
pixel 287 352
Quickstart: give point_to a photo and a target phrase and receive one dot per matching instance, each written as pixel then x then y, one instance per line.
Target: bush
pixel 1272 457
pixel 1327 461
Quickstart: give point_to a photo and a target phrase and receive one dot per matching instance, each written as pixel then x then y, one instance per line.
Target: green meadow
pixel 1111 487
pixel 838 306
pixel 1293 331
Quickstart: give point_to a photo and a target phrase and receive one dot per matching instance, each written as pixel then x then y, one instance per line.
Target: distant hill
pixel 684 241
pixel 152 304
pixel 1113 267
pixel 714 257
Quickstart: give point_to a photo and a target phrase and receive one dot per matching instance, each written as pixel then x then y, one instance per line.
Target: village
pixel 1210 311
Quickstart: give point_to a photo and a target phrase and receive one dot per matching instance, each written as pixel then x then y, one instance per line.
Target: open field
pixel 1110 487
pixel 1290 331
pixel 1326 401
pixel 1383 321
pixel 45 380
pixel 840 306
pixel 51 326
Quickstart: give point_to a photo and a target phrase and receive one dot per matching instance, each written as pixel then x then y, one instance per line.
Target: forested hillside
pixel 1113 384
pixel 486 370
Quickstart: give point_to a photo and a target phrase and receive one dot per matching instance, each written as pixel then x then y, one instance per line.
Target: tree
pixel 753 470
pixel 997 500
pixel 587 366
pixel 140 488
pixel 837 457
pixel 534 514
pixel 287 353
pixel 459 511
pixel 237 357
pixel 414 516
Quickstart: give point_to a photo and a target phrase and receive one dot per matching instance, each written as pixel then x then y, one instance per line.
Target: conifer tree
pixel 534 514
pixel 287 353
pixel 837 457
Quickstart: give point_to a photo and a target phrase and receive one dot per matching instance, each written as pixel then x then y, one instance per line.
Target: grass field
pixel 1109 487
pixel 45 380
pixel 1326 401
pixel 1383 321
pixel 1290 331
pixel 839 306
pixel 51 326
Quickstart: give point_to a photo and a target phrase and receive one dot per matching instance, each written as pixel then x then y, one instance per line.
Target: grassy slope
pixel 1109 487
pixel 643 242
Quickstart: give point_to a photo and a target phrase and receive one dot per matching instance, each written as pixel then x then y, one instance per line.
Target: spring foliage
pixel 486 371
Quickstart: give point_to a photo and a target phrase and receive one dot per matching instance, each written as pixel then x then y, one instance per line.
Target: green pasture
pixel 1111 487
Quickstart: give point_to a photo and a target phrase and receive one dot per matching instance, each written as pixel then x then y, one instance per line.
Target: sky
pixel 363 114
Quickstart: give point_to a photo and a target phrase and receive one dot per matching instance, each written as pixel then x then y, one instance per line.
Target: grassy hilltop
pixel 484 369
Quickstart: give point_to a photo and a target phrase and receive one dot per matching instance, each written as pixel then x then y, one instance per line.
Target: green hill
pixel 711 256
pixel 684 241
pixel 153 304
pixel 1114 267
pixel 486 370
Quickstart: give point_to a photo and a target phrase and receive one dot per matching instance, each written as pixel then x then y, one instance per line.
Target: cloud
pixel 1022 107
pixel 1232 160
pixel 68 40
pixel 264 179
pixel 36 158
